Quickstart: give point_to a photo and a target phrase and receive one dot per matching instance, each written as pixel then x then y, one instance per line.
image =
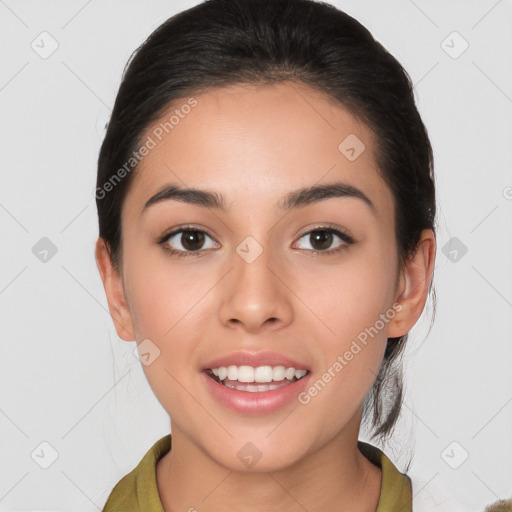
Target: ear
pixel 113 284
pixel 414 283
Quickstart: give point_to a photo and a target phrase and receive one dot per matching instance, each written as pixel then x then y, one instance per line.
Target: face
pixel 250 280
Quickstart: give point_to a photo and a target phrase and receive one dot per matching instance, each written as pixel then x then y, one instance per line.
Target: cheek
pixel 166 309
pixel 163 297
pixel 165 304
pixel 347 297
pixel 352 350
pixel 352 305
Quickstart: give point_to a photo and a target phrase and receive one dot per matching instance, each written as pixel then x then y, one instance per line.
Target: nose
pixel 256 296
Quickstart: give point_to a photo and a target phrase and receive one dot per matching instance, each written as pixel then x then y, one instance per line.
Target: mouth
pixel 255 379
pixel 255 390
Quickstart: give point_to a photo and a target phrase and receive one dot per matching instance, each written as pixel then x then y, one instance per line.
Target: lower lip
pixel 260 402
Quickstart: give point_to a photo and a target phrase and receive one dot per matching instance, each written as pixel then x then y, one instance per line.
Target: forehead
pixel 254 144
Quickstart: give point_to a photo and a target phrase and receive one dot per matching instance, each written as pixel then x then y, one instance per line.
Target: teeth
pixel 277 373
pixel 261 374
pixel 300 373
pixel 252 388
pixel 290 373
pixel 232 372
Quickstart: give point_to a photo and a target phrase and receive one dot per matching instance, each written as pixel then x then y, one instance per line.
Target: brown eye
pixel 321 240
pixel 192 240
pixel 186 242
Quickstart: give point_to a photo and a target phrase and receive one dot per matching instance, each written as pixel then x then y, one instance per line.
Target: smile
pixel 255 390
pixel 274 376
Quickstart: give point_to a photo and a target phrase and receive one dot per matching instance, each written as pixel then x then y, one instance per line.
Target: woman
pixel 266 205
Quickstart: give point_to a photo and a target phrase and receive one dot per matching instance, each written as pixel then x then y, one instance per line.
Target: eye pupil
pixel 187 240
pixel 324 237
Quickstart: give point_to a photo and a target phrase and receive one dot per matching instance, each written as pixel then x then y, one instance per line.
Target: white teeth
pixel 261 374
pixel 278 373
pixel 290 373
pixel 252 388
pixel 233 372
pixel 300 373
pixel 245 374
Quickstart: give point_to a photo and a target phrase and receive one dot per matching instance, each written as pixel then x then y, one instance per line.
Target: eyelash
pixel 344 236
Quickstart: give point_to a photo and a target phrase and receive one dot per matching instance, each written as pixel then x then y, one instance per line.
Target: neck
pixel 335 476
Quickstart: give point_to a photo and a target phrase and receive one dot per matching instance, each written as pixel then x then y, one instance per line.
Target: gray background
pixel 68 380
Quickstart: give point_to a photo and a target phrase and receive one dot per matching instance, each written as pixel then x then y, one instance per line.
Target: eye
pixel 322 238
pixel 186 241
pixel 189 241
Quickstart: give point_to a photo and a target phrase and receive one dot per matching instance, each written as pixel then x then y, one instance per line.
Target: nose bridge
pixel 255 293
pixel 252 262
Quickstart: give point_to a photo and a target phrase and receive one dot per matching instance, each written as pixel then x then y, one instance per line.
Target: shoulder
pixel 396 487
pixel 408 492
pixel 137 491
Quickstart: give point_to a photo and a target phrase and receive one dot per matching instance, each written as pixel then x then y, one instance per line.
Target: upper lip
pixel 261 358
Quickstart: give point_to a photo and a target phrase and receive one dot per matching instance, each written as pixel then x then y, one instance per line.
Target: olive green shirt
pixel 138 492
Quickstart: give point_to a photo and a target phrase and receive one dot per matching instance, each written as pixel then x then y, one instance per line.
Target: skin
pixel 254 144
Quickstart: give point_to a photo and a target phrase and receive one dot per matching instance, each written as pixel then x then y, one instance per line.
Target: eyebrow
pixel 291 201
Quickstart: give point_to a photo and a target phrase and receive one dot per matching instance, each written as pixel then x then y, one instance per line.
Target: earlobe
pixel 113 285
pixel 415 279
